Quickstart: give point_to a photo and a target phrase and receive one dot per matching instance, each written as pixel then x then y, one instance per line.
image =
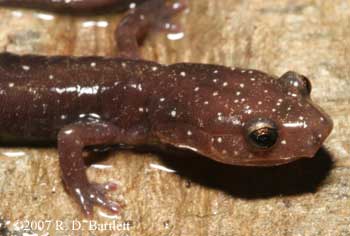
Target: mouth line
pixel 269 162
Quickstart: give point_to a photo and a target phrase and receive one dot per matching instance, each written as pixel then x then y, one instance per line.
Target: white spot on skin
pixel 132 5
pixel 206 102
pixel 196 89
pixel 274 110
pixel 63 117
pixel 189 133
pixel 248 111
pixel 173 113
pixel 219 114
pixel 284 142
pixel 243 71
pixel 176 5
pixel 219 139
pixel 162 99
pixel 141 109
pixel 93 64
pixel 154 68
pixel 250 72
pixel 236 101
pixel 215 93
pixel 259 102
pixel 123 64
pixel 241 85
pixel 265 91
pixel 25 67
pixel 70 131
pixel 215 71
pixel 51 77
pixel 224 84
pixel 11 85
pixel 301 118
pixel 183 74
pixel 238 93
pixel 252 79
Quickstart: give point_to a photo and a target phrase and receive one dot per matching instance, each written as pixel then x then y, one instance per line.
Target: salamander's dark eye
pixel 296 81
pixel 263 137
pixel 262 133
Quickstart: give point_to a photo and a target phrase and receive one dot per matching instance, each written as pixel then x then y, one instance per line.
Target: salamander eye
pixel 262 133
pixel 297 81
pixel 307 84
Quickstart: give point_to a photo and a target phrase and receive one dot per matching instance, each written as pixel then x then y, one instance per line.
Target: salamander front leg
pixel 71 141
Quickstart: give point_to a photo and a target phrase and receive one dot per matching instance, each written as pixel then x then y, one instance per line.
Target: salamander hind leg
pixel 133 28
pixel 71 141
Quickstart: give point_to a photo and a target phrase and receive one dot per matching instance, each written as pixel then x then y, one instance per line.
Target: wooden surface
pixel 306 198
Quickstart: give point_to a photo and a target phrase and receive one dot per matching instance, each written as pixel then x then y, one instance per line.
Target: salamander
pixel 231 115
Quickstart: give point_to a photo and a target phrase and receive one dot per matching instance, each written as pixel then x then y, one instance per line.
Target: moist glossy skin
pixel 209 109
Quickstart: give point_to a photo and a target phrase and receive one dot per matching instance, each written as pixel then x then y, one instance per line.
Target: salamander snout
pixel 321 130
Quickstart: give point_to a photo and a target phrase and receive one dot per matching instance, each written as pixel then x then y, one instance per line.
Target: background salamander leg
pixel 134 27
pixel 71 141
pixel 76 7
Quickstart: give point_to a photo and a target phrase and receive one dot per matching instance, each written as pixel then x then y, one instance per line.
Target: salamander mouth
pixel 268 162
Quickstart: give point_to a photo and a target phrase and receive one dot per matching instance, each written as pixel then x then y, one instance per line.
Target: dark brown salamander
pixel 231 115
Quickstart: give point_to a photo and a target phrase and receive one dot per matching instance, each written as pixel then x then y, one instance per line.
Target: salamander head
pixel 242 117
pixel 264 121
